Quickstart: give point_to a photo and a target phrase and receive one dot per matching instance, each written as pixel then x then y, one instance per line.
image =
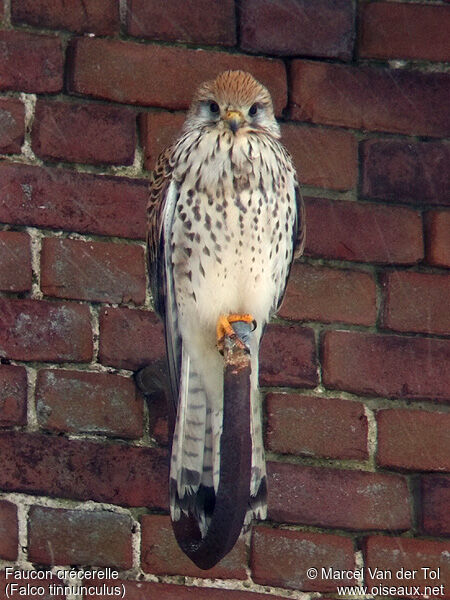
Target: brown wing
pixel 300 230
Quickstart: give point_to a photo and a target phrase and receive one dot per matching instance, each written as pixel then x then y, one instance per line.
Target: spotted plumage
pixel 225 221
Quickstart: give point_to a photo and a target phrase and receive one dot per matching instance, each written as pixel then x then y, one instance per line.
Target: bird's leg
pixel 224 329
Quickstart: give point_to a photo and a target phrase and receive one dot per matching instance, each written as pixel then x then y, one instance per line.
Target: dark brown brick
pixel 9 530
pixel 363 232
pixel 12 125
pixel 15 261
pixel 413 439
pixel 83 470
pixel 322 28
pixel 435 516
pixel 437 226
pixel 394 100
pixel 193 21
pixel 387 365
pixel 13 395
pixel 161 555
pixel 319 427
pixel 337 498
pixel 84 133
pixel 327 295
pixel 288 357
pixel 63 199
pixel 98 271
pixel 38 330
pixel 131 73
pixel 416 173
pixel 30 63
pixel 158 130
pixel 402 30
pixel 81 402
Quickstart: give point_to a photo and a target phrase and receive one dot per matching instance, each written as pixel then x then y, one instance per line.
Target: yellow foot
pixel 224 328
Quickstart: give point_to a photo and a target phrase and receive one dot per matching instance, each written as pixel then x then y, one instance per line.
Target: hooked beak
pixel 234 119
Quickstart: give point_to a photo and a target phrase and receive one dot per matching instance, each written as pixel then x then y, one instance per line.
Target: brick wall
pixel 356 367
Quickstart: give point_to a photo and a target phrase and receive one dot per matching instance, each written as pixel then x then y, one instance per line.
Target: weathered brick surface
pixel 80 402
pixel 417 302
pixel 393 553
pixel 435 516
pixel 66 537
pixel 437 226
pixel 99 271
pixel 82 16
pixel 363 232
pixel 281 558
pixel 413 439
pixel 161 555
pixel 327 295
pixel 13 395
pixel 132 73
pixel 63 199
pixel 371 98
pixel 412 172
pixel 38 330
pixel 337 498
pixel 323 157
pixel 85 133
pixel 83 470
pixel 322 28
pixel 158 130
pixel 9 530
pixel 404 31
pixel 12 125
pixel 15 261
pixel 386 365
pixel 30 63
pixel 195 21
pixel 288 357
pixel 319 427
pixel 130 339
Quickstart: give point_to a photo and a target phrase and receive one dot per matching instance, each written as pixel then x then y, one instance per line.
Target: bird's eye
pixel 214 107
pixel 253 109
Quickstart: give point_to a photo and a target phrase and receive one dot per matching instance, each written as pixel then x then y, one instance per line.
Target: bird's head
pixel 235 102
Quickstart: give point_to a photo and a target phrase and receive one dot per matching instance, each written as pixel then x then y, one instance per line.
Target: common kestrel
pixel 225 222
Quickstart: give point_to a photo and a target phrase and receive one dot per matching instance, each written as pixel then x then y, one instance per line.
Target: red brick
pixel 30 63
pixel 435 517
pixel 98 271
pixel 161 555
pixel 288 357
pixel 417 173
pixel 158 130
pixel 413 439
pixel 37 330
pixel 437 226
pixel 337 498
pixel 130 339
pixel 386 365
pixel 81 402
pixel 58 536
pixel 357 231
pixel 13 395
pixel 23 579
pixel 9 530
pixel 15 262
pixel 322 28
pixel 404 31
pixel 319 427
pixel 281 558
pixel 326 158
pixel 158 418
pixel 12 125
pixel 84 133
pixel 417 302
pixel 192 21
pixel 131 73
pixel 63 199
pixel 394 100
pixel 83 470
pixel 394 553
pixel 327 295
pixel 83 16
